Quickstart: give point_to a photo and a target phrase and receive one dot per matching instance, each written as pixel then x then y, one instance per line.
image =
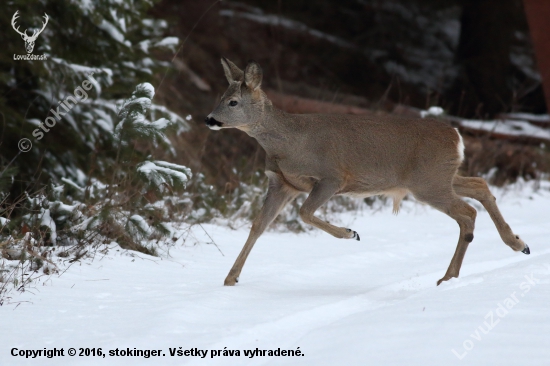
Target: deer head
pixel 243 103
pixel 29 40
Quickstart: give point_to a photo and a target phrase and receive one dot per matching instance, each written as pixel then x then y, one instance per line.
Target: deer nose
pixel 212 123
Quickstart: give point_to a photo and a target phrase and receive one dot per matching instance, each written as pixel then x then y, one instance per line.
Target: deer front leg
pixel 321 193
pixel 278 195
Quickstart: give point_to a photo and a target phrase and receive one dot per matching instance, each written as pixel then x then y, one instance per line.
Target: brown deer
pixel 329 154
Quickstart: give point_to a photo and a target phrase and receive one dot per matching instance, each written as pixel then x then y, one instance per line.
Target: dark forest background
pixel 474 59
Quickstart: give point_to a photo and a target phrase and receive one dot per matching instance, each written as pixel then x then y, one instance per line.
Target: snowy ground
pixel 372 302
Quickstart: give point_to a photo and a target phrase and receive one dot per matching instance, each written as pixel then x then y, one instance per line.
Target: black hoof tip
pixel 526 250
pixel 355 235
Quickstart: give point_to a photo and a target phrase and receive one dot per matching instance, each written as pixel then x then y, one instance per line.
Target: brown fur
pixel 326 155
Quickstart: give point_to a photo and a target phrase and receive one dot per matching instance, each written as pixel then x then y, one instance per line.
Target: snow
pixel 432 111
pixel 83 225
pixel 140 222
pixel 509 127
pixel 87 6
pixel 182 125
pixel 338 301
pixel 113 32
pixel 34 121
pixel 530 117
pixel 169 42
pixel 81 69
pixel 72 184
pixel 160 124
pixel 47 221
pixel 145 102
pixel 174 167
pixel 161 172
pixel 144 45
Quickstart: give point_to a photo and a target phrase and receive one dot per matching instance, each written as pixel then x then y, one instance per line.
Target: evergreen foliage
pixel 90 176
pixel 107 44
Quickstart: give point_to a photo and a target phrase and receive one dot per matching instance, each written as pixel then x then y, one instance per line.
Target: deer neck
pixel 272 131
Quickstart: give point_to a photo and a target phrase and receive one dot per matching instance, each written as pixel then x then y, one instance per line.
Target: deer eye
pixel 233 103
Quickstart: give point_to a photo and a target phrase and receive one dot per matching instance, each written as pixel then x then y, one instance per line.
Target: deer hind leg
pixel 320 194
pixel 477 189
pixel 464 214
pixel 278 195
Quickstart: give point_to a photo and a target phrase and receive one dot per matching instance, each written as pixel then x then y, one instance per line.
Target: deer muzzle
pixel 212 123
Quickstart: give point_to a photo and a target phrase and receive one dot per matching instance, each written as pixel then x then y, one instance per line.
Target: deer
pixel 325 155
pixel 29 40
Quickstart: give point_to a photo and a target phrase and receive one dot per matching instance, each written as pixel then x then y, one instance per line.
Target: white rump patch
pixel 214 127
pixel 460 146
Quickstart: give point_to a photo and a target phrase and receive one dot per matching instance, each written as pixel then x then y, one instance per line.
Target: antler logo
pixel 29 40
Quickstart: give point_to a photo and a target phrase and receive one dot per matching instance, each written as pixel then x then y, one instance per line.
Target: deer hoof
pixel 354 235
pixel 526 250
pixel 230 281
pixel 445 278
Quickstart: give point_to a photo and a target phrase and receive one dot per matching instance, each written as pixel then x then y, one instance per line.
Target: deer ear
pixel 253 75
pixel 232 72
